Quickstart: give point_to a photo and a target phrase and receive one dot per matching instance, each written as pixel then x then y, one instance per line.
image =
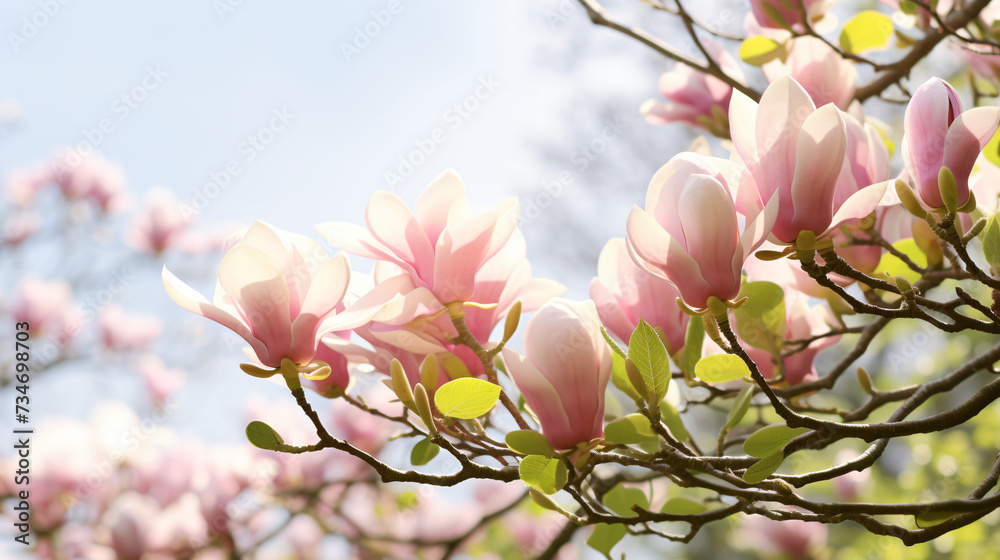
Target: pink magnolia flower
pixel 696 98
pixel 413 324
pixel 160 224
pixel 825 75
pixel 442 247
pixel 803 321
pixel 689 233
pixel 121 332
pixel 795 154
pixel 23 185
pixel 792 539
pixel 161 382
pixel 938 134
pixel 47 307
pixel 564 371
pixel 624 293
pixel 91 177
pixel 278 291
pixel 20 226
pixel 787 10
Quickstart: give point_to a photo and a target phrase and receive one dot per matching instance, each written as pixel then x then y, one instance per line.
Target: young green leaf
pixel 759 471
pixel 682 506
pixel 646 351
pixel 770 439
pixel 719 368
pixel 759 50
pixel 673 421
pixel 529 442
pixel 466 397
pixel 605 537
pixel 741 404
pixel 761 322
pixel 621 499
pixel 620 378
pixel 866 31
pixel 423 452
pixel 263 436
pixel 634 428
pixel 546 474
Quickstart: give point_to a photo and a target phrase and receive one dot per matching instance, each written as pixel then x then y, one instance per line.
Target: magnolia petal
pixel 819 159
pixel 967 137
pixel 190 300
pixel 261 294
pixel 860 204
pixel 537 389
pixel 434 204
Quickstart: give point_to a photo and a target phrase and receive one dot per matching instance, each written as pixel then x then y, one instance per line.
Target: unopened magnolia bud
pixel 423 405
pixel 401 385
pixel 865 381
pixel 909 200
pixel 634 376
pixel 429 371
pixel 454 366
pixel 513 318
pixel 948 188
pixel 902 284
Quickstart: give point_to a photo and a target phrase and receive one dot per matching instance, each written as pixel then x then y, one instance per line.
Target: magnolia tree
pixel 791 349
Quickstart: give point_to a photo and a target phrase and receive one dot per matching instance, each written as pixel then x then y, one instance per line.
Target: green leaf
pixel 760 50
pixel 866 31
pixel 545 474
pixel 694 338
pixel 647 352
pixel 529 442
pixel 621 499
pixel 263 436
pixel 466 397
pixel 719 368
pixel 770 439
pixel 991 240
pixel 605 537
pixel 933 518
pixel 741 404
pixel 423 452
pixel 634 428
pixel 614 345
pixel 682 506
pixel 620 378
pixel 761 322
pixel 764 468
pixel 673 421
pixel 891 265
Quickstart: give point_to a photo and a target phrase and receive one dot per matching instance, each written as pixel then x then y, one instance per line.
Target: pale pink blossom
pixel 47 307
pixel 159 225
pixel 689 233
pixel 694 97
pixel 564 371
pixel 442 246
pixel 91 177
pixel 825 75
pixel 937 133
pixel 795 154
pixel 624 294
pixel 122 332
pixel 20 226
pixel 792 539
pixel 985 183
pixel 278 291
pixel 23 185
pixel 161 382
